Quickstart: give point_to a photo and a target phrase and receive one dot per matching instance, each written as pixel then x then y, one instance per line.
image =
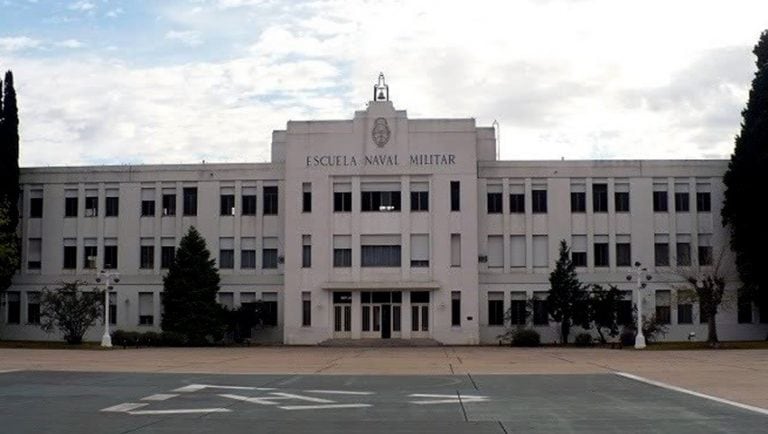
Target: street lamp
pixel 641 274
pixel 108 277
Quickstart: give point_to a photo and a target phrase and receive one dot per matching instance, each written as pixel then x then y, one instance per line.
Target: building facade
pixel 381 227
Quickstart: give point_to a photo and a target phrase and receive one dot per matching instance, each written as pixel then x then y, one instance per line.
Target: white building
pixel 380 227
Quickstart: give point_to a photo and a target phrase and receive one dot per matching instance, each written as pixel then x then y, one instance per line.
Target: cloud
pixel 81 5
pixel 186 37
pixel 114 13
pixel 69 43
pixel 18 43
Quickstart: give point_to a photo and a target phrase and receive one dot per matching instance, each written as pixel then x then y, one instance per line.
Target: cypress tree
pixel 567 298
pixel 9 181
pixel 745 182
pixel 189 298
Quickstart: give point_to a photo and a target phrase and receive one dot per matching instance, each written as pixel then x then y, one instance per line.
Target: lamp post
pixel 641 274
pixel 108 277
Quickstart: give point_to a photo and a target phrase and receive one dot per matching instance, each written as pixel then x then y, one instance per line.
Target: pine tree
pixel 567 299
pixel 746 180
pixel 189 297
pixel 9 180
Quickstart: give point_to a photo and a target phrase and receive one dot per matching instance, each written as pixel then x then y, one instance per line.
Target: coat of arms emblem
pixel 380 132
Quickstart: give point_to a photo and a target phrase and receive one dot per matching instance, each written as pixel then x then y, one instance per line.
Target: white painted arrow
pixel 446 399
pixel 198 387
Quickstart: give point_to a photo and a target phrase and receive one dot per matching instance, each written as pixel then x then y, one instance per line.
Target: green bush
pixel 125 338
pixel 627 337
pixel 173 339
pixel 526 338
pixel 150 339
pixel 583 340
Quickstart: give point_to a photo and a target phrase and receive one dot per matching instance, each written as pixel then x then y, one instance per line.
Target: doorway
pixel 381 314
pixel 342 314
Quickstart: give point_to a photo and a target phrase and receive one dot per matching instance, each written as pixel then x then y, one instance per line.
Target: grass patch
pixel 51 345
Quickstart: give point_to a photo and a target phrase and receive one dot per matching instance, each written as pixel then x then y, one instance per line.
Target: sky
pixel 132 82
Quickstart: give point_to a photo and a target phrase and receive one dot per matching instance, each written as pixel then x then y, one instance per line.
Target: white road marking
pixel 159 397
pixel 124 407
pixel 691 392
pixel 182 411
pixel 340 392
pixel 300 397
pixel 278 396
pixel 253 400
pixel 8 371
pixel 446 399
pixel 198 387
pixel 322 407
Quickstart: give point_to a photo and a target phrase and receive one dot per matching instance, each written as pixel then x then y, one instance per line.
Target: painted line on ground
pixel 253 400
pixel 198 387
pixel 691 392
pixel 8 371
pixel 340 392
pixel 322 407
pixel 182 411
pixel 283 395
pixel 159 397
pixel 124 407
pixel 446 399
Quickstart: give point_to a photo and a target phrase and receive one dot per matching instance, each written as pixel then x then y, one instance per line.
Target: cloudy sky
pixel 115 82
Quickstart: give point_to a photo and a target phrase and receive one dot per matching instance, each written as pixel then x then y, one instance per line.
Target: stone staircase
pixel 420 342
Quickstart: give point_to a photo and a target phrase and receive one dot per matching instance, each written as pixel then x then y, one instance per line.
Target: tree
pixel 9 182
pixel 745 182
pixel 70 311
pixel 189 297
pixel 242 320
pixel 567 299
pixel 604 310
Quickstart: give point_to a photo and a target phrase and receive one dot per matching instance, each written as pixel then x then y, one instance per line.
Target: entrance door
pixel 386 323
pixel 342 314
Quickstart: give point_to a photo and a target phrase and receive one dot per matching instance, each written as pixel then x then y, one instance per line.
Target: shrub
pixel 583 340
pixel 173 339
pixel 526 338
pixel 627 337
pixel 125 338
pixel 151 339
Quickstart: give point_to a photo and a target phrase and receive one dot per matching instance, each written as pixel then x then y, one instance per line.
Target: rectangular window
pixel 578 201
pixel 495 251
pixel 579 250
pixel 684 312
pixel 306 197
pixel 539 199
pixel 517 203
pixel 380 256
pixel 34 254
pixel 624 313
pixel 36 205
pixel 540 310
pixel 518 310
pixel 306 309
pixel 169 203
pixel 455 196
pixel 703 202
pixel 167 253
pixel 517 251
pixel 269 253
pixel 112 206
pixel 744 308
pixel 705 249
pixel 621 197
pixel 661 250
pixel 226 253
pixel 91 203
pixel 14 307
pixel 623 251
pixel 600 197
pixel 190 201
pixel 342 251
pixel 601 254
pixel 247 253
pixel 147 256
pixel 419 250
pixel 495 308
pixel 110 254
pixel 663 306
pixel 146 308
pixel 70 206
pixel 112 308
pixel 270 200
pixel 70 254
pixel 306 251
pixel 419 200
pixel 249 201
pixel 540 251
pixel 455 308
pixel 33 307
pixel 683 251
pixel 379 201
pixel 227 204
pixel 682 202
pixel 455 250
pixel 147 208
pixel 660 201
pixel 90 253
pixel 269 303
pixel 227 300
pixel 342 201
pixel 494 201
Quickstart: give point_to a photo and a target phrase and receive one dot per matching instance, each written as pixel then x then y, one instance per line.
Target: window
pixel 703 201
pixel 495 251
pixel 621 197
pixel 540 251
pixel 227 204
pixel 306 309
pixel 306 197
pixel 518 310
pixel 70 205
pixel 495 308
pixel 306 251
pixel 70 254
pixel 517 251
pixel 624 313
pixel 419 196
pixel 190 201
pixel 682 202
pixel 112 206
pixel 661 250
pixel 226 253
pixel 226 299
pixel 685 307
pixel 269 253
pixel 420 311
pixel 419 250
pixel 269 303
pixel 147 255
pixel 683 250
pixel 90 253
pixel 91 204
pixel 601 253
pixel 578 201
pixel 517 203
pixel 455 250
pixel 379 201
pixel 380 256
pixel 455 196
pixel 744 309
pixel 270 200
pixel 540 310
pixel 579 250
pixel 167 254
pixel 539 199
pixel 249 201
pixel 705 249
pixel 663 309
pixel 247 253
pixel 660 201
pixel 146 308
pixel 169 203
pixel 36 205
pixel 34 254
pixel 147 208
pixel 600 197
pixel 342 251
pixel 110 254
pixel 14 307
pixel 342 201
pixel 494 202
pixel 33 307
pixel 623 251
pixel 455 308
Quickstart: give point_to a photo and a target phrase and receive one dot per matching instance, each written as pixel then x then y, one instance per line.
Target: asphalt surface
pixel 71 402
